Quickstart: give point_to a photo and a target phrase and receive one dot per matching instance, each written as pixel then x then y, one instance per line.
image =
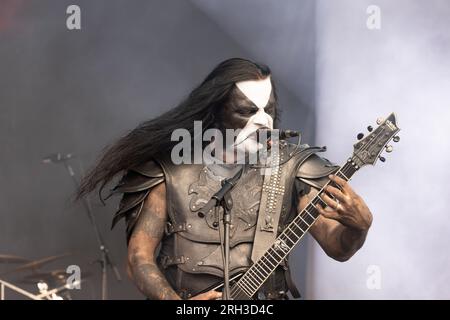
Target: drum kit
pixel 50 284
pixel 56 284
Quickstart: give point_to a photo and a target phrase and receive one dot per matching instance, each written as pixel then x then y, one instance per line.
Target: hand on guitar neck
pixel 342 226
pixel 345 205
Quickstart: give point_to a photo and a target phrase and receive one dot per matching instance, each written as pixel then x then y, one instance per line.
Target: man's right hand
pixel 210 295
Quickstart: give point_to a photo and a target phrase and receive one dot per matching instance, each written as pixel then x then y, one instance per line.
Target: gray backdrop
pixel 77 91
pixel 363 74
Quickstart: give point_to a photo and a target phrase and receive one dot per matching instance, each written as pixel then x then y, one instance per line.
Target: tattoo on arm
pixel 153 227
pixel 143 244
pixel 338 241
pixel 152 282
pixel 351 240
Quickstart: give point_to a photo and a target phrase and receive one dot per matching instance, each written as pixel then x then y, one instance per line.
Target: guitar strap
pixel 270 205
pixel 278 179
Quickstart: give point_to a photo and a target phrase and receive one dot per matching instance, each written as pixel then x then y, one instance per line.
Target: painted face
pixel 251 107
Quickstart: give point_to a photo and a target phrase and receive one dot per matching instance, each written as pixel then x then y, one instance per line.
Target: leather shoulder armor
pixel 135 185
pixel 314 171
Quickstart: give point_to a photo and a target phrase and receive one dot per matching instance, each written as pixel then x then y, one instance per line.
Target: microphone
pixel 58 157
pixel 284 134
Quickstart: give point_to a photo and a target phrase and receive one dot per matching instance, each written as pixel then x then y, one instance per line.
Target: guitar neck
pixel 257 274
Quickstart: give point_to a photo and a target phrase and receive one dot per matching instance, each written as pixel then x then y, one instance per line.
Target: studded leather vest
pixel 190 254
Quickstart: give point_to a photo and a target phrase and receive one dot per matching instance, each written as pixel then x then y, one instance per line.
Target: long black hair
pixel 153 136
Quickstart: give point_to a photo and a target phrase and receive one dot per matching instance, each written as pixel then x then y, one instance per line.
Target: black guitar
pixel 366 151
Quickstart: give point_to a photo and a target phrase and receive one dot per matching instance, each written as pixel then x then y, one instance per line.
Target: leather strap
pixel 270 206
pixel 167 261
pixel 173 228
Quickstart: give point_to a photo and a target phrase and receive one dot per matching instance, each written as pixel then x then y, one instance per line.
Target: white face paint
pixel 258 92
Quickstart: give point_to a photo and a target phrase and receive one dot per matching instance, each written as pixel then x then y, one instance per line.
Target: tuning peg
pixel 382 159
pixel 396 139
pixel 380 121
pixel 360 136
pixel 389 149
pixel 369 128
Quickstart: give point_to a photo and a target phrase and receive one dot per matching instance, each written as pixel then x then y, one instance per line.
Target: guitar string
pixel 347 168
pixel 253 287
pixel 250 290
pixel 250 286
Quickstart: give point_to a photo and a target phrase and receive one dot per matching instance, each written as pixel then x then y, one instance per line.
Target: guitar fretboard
pixel 248 285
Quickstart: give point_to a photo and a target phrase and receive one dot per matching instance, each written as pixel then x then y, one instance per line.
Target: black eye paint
pixel 270 110
pixel 247 110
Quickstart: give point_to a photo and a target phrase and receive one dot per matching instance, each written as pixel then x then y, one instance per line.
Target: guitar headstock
pixel 368 149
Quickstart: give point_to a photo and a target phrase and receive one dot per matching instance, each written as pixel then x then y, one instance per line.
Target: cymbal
pixel 51 276
pixel 7 258
pixel 33 265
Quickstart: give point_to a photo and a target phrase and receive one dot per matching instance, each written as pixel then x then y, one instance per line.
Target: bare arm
pixel 340 230
pixel 142 247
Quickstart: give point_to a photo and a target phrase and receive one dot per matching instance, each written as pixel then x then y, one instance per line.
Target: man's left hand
pixel 345 206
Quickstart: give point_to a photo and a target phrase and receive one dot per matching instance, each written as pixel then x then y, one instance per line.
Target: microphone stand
pixel 223 198
pixel 105 258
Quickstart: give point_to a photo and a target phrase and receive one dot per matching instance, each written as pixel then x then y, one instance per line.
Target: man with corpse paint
pixel 173 253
